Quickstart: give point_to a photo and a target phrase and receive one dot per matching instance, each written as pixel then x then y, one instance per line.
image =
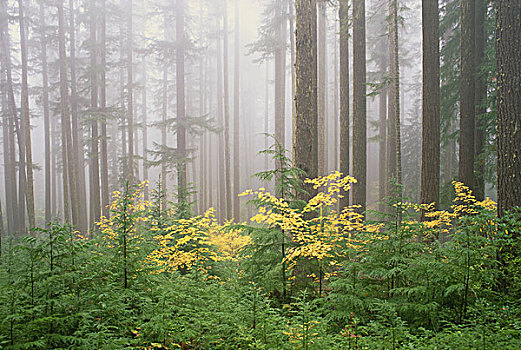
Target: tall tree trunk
pixel 280 77
pixel 68 159
pixel 291 6
pixel 344 95
pixel 104 163
pixel 336 93
pixel 382 143
pixel 26 118
pixel 394 165
pixel 164 117
pixel 508 48
pixel 467 104
pixel 94 188
pixel 359 106
pixel 227 154
pixel 480 99
pixel 322 89
pixel 77 165
pixel 236 120
pixel 180 78
pixel 8 142
pixel 305 139
pixel 266 112
pixel 130 94
pixel 220 121
pixel 145 128
pixel 430 168
pixel 19 202
pixel 46 117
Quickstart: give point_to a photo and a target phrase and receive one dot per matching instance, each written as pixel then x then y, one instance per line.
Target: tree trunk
pixel 266 113
pixel 359 106
pixel 344 95
pixel 104 163
pixel 77 165
pixel 46 117
pixel 227 115
pixel 467 88
pixel 26 118
pixel 382 143
pixel 508 48
pixel 94 188
pixel 480 100
pixel 305 138
pixel 394 165
pixel 180 79
pixel 280 78
pixel 130 94
pixel 430 168
pixel 236 120
pixel 322 89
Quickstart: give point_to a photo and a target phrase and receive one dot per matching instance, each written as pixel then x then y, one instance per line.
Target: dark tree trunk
pixel 26 118
pixel 508 48
pixel 480 100
pixel 130 94
pixel 77 161
pixel 467 105
pixel 305 138
pixel 344 95
pixel 430 169
pixel 382 144
pixel 359 106
pixel 227 154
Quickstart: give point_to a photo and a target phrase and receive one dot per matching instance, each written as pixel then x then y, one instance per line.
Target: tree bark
pixel 322 89
pixel 467 88
pixel 305 139
pixel 508 56
pixel 130 93
pixel 236 120
pixel 382 144
pixel 104 164
pixel 430 168
pixel 227 155
pixel 26 119
pixel 480 99
pixel 359 106
pixel 344 96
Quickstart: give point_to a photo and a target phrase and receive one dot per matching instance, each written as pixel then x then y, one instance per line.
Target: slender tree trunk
pixel 130 94
pixel 76 162
pixel 359 105
pixel 46 117
pixel 305 144
pixel 227 154
pixel 94 188
pixel 394 148
pixel 336 96
pixel 26 118
pixel 344 95
pixel 467 105
pixel 266 113
pixel 430 168
pixel 322 89
pixel 291 6
pixel 508 48
pixel 480 98
pixel 68 159
pixel 220 113
pixel 180 78
pixel 8 144
pixel 164 117
pixel 382 144
pixel 236 120
pixel 280 78
pixel 104 163
pixel 145 128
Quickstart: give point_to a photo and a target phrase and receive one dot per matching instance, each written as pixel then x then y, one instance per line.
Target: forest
pixel 260 174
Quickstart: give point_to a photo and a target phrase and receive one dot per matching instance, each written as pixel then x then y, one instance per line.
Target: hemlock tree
pixel 508 56
pixel 305 140
pixel 430 168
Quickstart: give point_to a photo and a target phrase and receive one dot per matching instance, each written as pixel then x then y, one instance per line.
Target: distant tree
pixel 236 118
pixel 343 16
